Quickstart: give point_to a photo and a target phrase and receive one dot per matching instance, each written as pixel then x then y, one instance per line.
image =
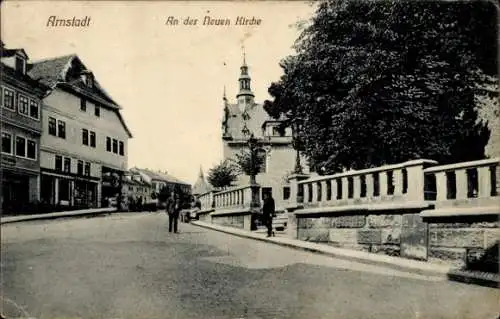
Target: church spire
pixel 245 95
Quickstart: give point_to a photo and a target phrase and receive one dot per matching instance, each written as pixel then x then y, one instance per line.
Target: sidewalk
pixel 397 263
pixel 74 213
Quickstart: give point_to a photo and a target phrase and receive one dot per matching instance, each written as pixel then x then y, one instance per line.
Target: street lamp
pixel 296 144
pixel 252 145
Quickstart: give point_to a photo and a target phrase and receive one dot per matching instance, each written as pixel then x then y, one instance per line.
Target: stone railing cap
pixel 455 166
pixel 370 170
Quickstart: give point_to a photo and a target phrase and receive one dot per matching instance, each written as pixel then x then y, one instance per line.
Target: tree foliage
pixel 222 175
pixel 375 83
pixel 250 164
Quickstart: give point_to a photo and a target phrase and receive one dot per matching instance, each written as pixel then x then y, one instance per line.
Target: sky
pixel 169 79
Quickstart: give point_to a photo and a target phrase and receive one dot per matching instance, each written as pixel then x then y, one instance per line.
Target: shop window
pixel 63 190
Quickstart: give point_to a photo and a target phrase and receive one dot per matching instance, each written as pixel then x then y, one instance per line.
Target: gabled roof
pixel 7 53
pixel 159 176
pixel 60 71
pixel 236 122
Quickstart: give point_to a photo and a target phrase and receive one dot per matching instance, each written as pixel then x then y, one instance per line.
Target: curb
pixel 68 214
pixel 396 263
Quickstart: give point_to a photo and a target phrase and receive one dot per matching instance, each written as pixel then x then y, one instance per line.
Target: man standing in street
pixel 173 209
pixel 268 210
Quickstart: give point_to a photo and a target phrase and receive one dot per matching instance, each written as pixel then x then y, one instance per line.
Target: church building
pixel 246 117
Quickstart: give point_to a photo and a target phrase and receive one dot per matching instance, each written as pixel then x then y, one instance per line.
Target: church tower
pixel 245 96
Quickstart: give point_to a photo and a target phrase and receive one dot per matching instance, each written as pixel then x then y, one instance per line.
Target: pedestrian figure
pixel 268 210
pixel 173 208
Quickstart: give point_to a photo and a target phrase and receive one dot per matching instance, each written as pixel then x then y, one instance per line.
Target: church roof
pixel 201 186
pixel 255 117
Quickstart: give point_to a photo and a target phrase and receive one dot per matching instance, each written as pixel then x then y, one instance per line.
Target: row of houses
pixel 64 139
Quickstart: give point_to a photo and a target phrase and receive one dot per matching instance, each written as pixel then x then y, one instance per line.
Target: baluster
pixel 441 186
pixel 462 183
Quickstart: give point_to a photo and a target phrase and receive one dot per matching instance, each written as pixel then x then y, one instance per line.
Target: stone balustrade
pixel 206 200
pixel 237 197
pixel 402 182
pixel 474 183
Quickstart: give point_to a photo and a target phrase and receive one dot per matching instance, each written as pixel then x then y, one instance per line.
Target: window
pixel 121 148
pixel 61 126
pixel 6 143
pixel 108 144
pixel 20 65
pixel 67 165
pixel 23 104
pixel 79 168
pixel 83 105
pixel 286 192
pixel 85 137
pixel 8 99
pixel 115 146
pixel 52 126
pixel 20 146
pixel 92 139
pixel 58 163
pixel 87 169
pixel 97 111
pixel 31 151
pixel 34 110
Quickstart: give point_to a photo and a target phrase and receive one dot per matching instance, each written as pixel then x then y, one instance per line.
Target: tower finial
pixel 244 55
pixel 224 94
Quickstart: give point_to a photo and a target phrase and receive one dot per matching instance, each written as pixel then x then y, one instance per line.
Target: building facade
pixel 246 117
pixel 85 138
pixel 21 127
pixel 159 180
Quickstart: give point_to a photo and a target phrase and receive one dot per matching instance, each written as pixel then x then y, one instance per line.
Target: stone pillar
pixel 247 222
pixel 356 180
pixel 324 191
pixel 345 188
pixel 398 181
pixel 461 183
pixel 369 185
pixel 415 183
pixel 306 192
pixel 484 181
pixel 383 183
pixel 291 226
pixel 314 192
pixel 293 180
pixel 441 186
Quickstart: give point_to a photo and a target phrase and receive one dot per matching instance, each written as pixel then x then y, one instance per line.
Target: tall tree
pixel 376 83
pixel 222 175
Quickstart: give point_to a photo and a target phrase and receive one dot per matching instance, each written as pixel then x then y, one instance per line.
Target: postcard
pixel 249 159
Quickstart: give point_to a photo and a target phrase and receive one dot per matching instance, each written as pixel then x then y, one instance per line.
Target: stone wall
pixel 236 221
pixel 371 233
pixel 467 242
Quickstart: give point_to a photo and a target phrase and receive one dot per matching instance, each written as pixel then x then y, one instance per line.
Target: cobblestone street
pixel 129 266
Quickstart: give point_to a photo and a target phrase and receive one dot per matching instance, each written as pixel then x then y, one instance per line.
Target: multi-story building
pixel 84 136
pixel 136 189
pixel 160 179
pixel 21 111
pixel 246 117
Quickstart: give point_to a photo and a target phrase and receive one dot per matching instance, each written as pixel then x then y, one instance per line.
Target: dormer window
pixel 88 78
pixel 20 64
